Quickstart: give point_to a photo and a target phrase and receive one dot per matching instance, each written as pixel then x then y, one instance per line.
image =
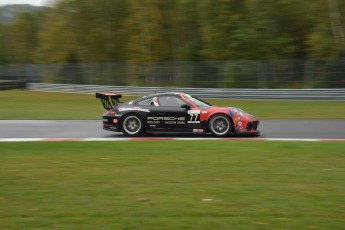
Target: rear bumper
pixel 110 124
pixel 111 128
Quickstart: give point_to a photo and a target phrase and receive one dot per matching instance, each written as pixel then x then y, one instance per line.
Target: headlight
pixel 239 112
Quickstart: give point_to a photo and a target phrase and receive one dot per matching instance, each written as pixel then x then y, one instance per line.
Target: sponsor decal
pixel 193 111
pixel 134 109
pixel 239 126
pixel 170 122
pixel 166 120
pixel 198 130
pixel 153 122
pixel 194 116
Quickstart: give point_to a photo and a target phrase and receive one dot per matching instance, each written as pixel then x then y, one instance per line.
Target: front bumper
pixel 248 129
pixel 252 126
pixel 248 133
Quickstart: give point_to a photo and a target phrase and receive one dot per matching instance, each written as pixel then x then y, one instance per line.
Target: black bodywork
pixel 164 118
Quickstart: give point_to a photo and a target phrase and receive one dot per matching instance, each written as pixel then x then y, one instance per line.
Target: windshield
pixel 198 102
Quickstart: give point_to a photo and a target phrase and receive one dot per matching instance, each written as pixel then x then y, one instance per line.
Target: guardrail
pixel 216 93
pixel 12 84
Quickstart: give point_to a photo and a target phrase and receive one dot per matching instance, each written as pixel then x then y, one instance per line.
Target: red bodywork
pixel 242 121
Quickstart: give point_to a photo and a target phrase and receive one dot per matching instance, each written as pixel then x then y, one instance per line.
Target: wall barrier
pixel 215 93
pixel 15 84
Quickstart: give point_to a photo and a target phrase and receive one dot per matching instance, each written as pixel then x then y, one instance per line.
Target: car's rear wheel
pixel 132 125
pixel 220 125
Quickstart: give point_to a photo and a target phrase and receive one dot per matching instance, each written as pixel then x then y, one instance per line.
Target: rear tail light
pixel 110 112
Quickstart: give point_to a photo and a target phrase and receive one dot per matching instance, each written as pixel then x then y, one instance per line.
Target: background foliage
pixel 86 31
pixel 193 43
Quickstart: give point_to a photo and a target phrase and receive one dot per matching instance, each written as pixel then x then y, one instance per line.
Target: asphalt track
pixel 300 129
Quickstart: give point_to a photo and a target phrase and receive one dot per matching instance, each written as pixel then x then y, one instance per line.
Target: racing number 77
pixel 194 116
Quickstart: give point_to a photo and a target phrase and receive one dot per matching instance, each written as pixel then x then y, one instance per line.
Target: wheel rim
pixel 220 126
pixel 132 125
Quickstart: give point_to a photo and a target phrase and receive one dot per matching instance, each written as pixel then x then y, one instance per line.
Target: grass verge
pixel 21 104
pixel 172 185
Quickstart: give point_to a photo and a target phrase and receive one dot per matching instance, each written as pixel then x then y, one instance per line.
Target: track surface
pixel 325 129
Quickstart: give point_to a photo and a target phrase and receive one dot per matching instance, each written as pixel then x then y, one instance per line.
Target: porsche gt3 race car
pixel 176 112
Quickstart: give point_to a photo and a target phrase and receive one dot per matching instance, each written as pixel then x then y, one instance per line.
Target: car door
pixel 168 113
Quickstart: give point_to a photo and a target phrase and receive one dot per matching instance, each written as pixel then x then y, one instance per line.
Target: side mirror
pixel 185 106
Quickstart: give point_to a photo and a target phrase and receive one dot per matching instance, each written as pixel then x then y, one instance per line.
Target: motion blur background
pixel 180 43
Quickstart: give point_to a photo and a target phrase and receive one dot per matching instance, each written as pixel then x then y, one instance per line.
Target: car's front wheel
pixel 132 125
pixel 220 125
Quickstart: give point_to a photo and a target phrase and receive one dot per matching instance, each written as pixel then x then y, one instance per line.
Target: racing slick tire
pixel 132 125
pixel 220 125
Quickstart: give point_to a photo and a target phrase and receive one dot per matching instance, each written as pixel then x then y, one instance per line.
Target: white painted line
pixel 105 139
pixel 198 139
pixel 163 138
pixel 293 139
pixel 20 139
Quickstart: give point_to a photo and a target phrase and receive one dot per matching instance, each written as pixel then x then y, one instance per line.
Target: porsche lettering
pixel 166 118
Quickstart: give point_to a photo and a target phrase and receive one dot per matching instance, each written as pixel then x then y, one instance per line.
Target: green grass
pixel 172 185
pixel 20 104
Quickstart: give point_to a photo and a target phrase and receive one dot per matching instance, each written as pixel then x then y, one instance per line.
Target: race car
pixel 175 112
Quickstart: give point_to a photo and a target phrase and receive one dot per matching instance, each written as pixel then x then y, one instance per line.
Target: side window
pixel 170 101
pixel 146 101
pixel 150 101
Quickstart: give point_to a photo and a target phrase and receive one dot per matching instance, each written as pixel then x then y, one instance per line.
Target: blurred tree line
pixel 88 31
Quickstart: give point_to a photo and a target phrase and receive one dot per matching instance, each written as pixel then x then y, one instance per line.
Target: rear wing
pixel 109 100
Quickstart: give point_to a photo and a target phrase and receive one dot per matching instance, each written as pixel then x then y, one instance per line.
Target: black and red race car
pixel 176 112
